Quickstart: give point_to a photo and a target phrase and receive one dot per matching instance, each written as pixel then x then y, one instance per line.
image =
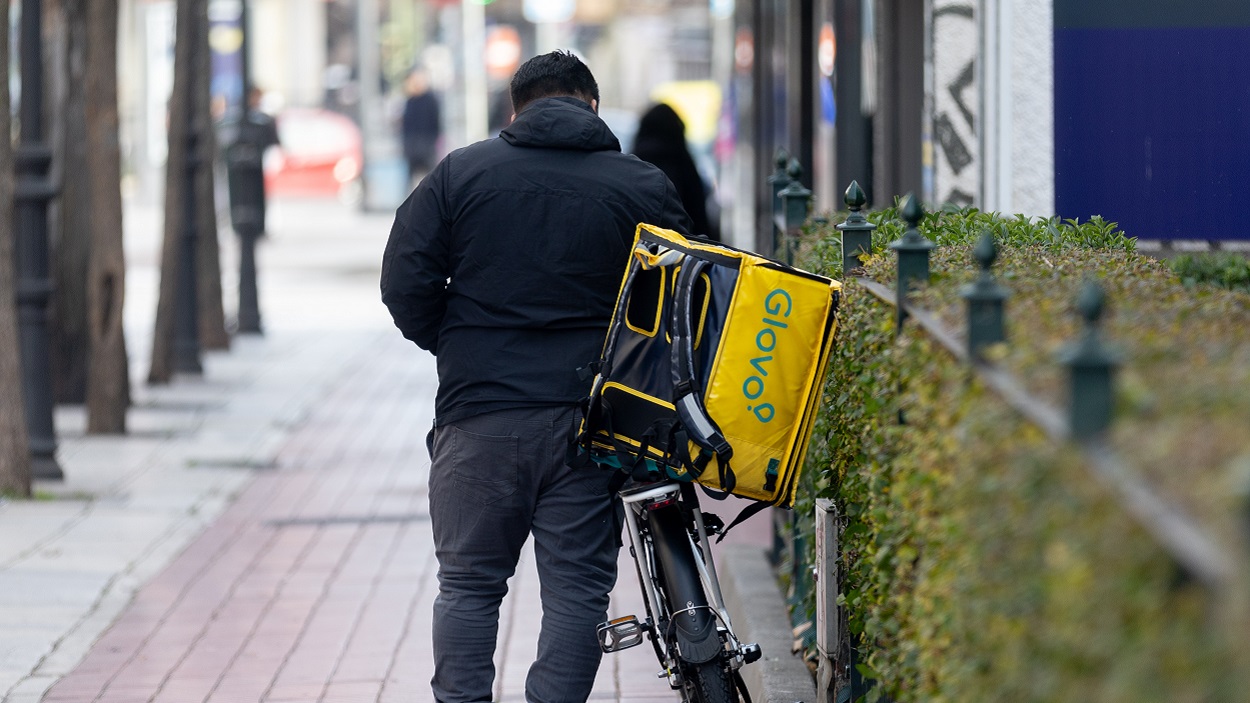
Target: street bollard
pixel 34 188
pixel 245 177
pixel 247 138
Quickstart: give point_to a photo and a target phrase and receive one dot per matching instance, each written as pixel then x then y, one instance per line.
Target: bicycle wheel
pixel 711 683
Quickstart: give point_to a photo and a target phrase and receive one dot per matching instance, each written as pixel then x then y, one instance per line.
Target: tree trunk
pixel 212 315
pixel 161 369
pixel 108 384
pixel 14 442
pixel 69 217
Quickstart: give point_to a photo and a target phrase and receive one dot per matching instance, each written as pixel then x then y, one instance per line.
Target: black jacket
pixel 506 261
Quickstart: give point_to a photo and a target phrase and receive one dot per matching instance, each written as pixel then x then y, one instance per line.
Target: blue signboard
pixel 225 40
pixel 1152 115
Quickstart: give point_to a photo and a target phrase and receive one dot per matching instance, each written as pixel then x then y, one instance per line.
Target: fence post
pixel 913 253
pixel 795 201
pixel 826 582
pixel 1091 366
pixel 985 300
pixel 856 230
pixel 779 180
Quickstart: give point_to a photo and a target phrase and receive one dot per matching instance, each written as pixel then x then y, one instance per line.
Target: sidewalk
pixel 261 534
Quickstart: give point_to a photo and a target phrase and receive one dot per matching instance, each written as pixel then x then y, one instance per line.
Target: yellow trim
pixel 698 335
pixel 652 452
pixel 659 307
pixel 639 394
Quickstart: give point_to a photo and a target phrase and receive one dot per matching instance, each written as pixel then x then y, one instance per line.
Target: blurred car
pixel 320 155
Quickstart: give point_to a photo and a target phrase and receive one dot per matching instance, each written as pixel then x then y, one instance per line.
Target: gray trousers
pixel 495 479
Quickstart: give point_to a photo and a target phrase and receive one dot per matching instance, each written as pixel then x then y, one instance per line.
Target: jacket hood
pixel 560 123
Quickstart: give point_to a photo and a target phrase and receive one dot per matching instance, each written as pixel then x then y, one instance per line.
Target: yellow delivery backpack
pixel 712 368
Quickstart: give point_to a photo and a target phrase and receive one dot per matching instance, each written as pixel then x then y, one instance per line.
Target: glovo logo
pixel 777 306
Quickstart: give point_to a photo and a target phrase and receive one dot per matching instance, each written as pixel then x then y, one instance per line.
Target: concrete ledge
pixel 759 615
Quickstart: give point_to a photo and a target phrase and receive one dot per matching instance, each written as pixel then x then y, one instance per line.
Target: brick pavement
pixel 316 583
pixel 261 534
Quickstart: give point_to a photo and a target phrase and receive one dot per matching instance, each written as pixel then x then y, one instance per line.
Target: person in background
pixel 661 140
pixel 421 126
pixel 505 263
pixel 245 135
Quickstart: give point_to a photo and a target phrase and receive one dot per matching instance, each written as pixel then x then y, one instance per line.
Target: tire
pixel 712 683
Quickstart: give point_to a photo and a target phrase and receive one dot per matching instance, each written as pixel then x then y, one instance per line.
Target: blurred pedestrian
pixel 421 126
pixel 505 263
pixel 661 140
pixel 246 135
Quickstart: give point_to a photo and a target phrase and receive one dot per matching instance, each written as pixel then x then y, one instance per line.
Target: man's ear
pixel 594 106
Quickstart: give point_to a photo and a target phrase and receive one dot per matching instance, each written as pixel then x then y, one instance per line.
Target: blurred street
pixel 261 534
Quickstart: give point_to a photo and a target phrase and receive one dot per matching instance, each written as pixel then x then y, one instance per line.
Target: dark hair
pixel 559 73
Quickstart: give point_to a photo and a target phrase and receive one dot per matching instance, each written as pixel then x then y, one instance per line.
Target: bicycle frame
pixel 690 549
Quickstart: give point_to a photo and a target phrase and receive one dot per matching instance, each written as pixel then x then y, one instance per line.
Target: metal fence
pixel 1090 363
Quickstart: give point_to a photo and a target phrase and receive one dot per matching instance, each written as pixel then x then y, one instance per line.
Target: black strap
pixel 747 512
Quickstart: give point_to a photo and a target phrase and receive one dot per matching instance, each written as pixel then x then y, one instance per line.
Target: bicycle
pixel 686 619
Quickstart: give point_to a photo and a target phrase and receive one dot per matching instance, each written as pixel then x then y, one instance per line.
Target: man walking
pixel 505 263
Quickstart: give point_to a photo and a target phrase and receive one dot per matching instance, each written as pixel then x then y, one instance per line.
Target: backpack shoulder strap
pixel 687 397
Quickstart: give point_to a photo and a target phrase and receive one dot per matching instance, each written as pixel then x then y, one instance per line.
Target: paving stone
pixel 262 534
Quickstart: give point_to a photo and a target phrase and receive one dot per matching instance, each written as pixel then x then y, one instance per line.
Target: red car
pixel 320 155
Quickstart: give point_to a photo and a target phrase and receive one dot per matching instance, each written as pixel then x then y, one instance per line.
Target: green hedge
pixel 1227 270
pixel 981 562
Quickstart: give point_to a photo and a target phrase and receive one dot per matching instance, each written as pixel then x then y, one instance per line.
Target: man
pixel 505 263
pixel 421 125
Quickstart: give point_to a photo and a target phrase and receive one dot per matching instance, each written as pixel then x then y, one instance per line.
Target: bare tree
pixel 108 383
pixel 69 218
pixel 188 108
pixel 212 315
pixel 14 442
pixel 162 368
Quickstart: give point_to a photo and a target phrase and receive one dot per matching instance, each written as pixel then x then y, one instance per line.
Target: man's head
pixel 558 74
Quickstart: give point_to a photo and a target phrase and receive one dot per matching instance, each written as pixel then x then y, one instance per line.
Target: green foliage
pixel 964 226
pixel 1226 270
pixel 981 560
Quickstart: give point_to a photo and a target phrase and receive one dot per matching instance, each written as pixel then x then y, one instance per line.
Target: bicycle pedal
pixel 750 653
pixel 621 633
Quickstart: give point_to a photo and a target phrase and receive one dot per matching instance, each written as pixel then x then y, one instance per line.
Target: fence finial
pixel 913 249
pixel 856 230
pixel 795 202
pixel 795 199
pixel 779 180
pixel 1091 366
pixel 985 300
